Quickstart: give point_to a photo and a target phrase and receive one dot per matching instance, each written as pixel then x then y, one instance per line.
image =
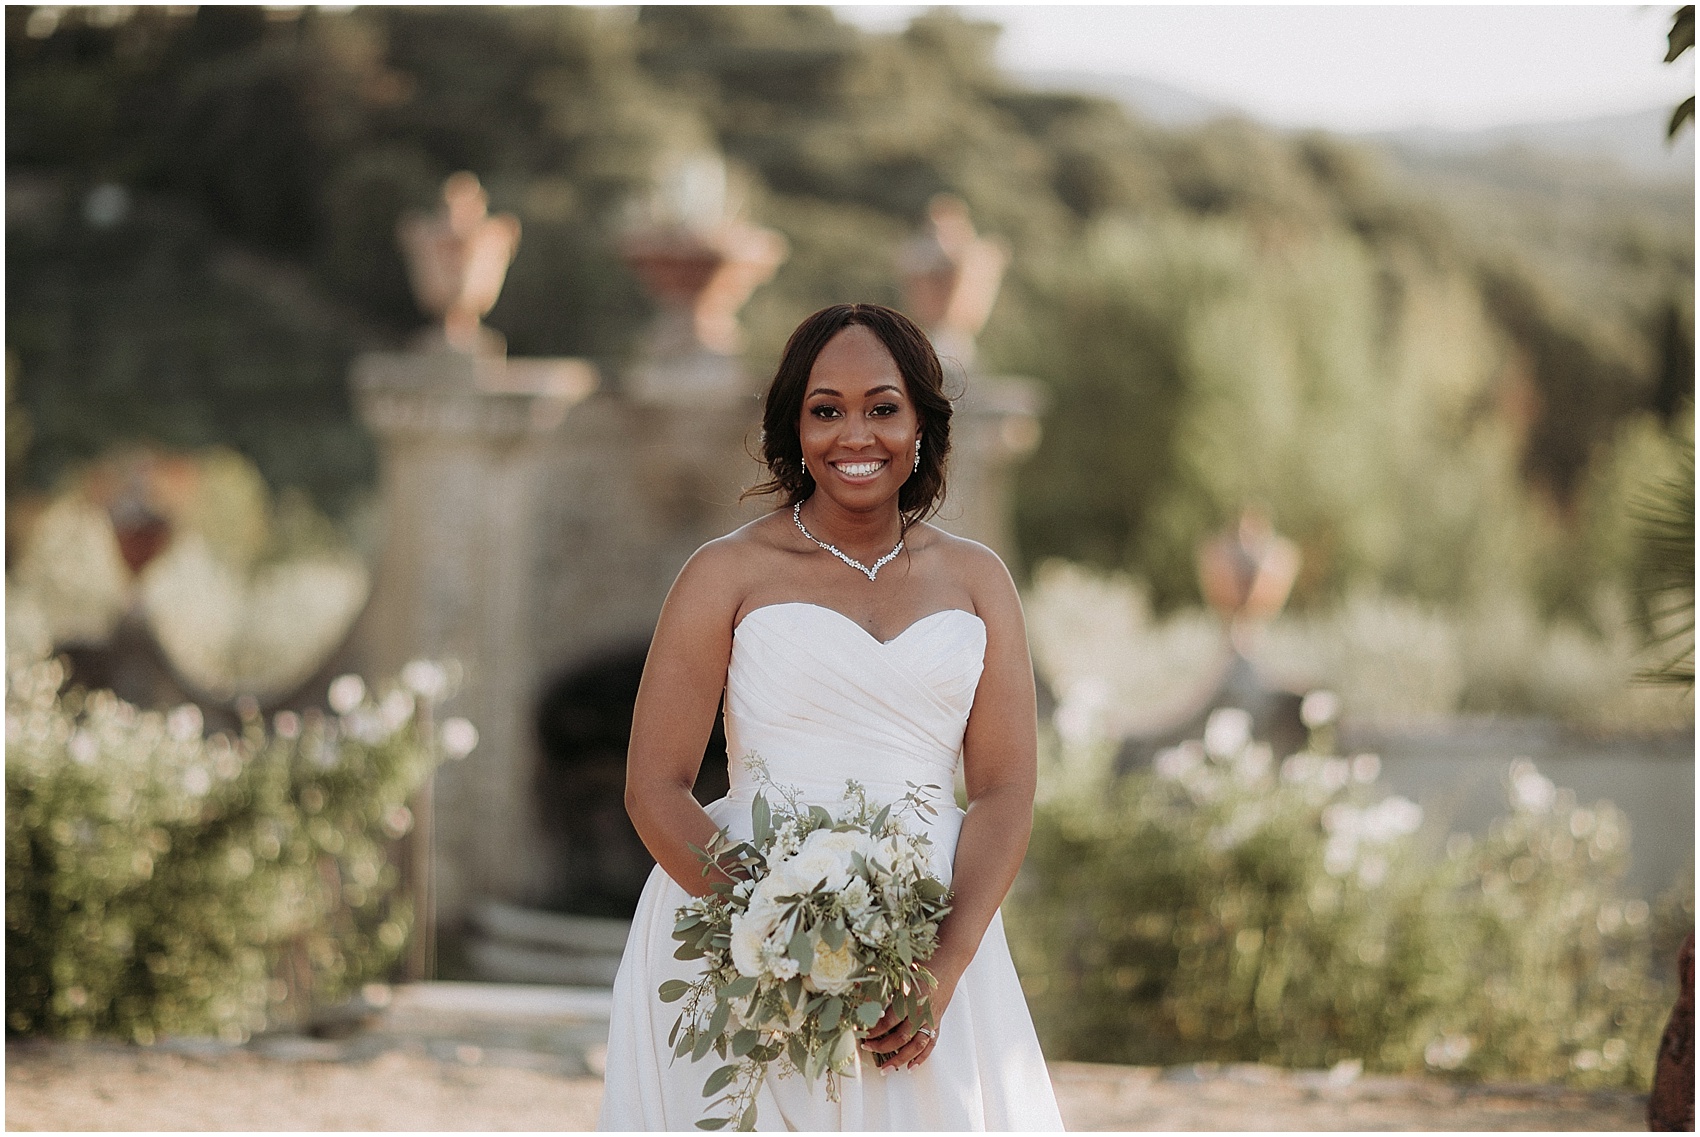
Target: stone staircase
pixel 509 944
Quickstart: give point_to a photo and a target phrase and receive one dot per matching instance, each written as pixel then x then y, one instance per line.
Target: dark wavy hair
pixel 917 362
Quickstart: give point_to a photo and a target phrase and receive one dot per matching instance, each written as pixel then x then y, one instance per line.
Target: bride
pixel 851 639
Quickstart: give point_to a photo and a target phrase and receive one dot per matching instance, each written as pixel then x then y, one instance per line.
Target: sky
pixel 1352 68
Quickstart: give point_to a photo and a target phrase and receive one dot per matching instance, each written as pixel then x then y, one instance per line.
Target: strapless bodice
pixel 819 700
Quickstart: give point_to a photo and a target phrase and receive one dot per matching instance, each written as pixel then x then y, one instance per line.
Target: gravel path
pixel 460 1057
pixel 97 1087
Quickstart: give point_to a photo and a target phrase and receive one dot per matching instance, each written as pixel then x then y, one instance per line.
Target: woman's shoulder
pixel 956 554
pixel 730 563
pixel 980 570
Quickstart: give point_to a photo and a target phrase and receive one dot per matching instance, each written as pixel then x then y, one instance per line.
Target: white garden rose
pixel 894 852
pixel 767 892
pixel 750 932
pixel 824 855
pixel 834 972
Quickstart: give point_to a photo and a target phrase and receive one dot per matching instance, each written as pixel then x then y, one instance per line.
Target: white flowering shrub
pixel 159 882
pixel 1223 907
pixel 1118 669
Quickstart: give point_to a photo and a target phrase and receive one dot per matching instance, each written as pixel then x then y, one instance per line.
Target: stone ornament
pixel 1246 573
pixel 951 276
pixel 694 253
pixel 457 259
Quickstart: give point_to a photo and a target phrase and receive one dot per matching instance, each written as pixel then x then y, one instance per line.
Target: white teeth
pixel 858 469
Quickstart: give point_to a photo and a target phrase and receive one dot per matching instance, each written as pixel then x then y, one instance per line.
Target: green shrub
pixel 163 883
pixel 1218 909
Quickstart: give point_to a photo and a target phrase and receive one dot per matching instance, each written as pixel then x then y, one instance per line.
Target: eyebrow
pixel 871 390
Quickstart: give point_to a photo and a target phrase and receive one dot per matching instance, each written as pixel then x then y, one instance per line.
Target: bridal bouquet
pixel 806 952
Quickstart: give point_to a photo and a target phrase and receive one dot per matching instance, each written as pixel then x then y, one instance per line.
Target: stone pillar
pixel 649 473
pixel 995 425
pixel 951 277
pixel 462 439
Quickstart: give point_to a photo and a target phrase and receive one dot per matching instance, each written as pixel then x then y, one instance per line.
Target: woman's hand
pixel 903 1043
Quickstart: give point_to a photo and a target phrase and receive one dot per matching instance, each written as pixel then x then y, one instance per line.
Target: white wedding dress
pixel 810 692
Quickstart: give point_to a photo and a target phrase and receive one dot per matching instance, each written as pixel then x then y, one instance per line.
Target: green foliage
pixel 1420 373
pixel 1216 909
pixel 154 332
pixel 1666 517
pixel 161 883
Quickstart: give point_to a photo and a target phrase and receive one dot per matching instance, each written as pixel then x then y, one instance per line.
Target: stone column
pixel 462 439
pixel 951 276
pixel 995 425
pixel 649 473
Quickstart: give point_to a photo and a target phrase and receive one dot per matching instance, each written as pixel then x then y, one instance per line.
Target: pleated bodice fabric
pixel 819 700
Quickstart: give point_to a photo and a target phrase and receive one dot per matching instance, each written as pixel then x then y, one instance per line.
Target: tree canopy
pixel 1437 387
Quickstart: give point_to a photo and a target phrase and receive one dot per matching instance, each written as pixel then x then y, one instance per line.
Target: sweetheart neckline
pixel 853 622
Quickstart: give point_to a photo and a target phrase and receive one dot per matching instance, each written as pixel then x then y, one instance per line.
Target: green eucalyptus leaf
pixel 744 1041
pixel 833 933
pixel 722 1013
pixel 673 990
pixel 801 950
pixel 761 819
pixel 713 1123
pixel 719 1080
pixel 831 1013
pixel 869 1013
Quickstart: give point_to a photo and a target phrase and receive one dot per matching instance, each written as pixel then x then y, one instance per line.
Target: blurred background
pixel 1326 379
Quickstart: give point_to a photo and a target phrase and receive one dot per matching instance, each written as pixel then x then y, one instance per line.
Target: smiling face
pixel 858 427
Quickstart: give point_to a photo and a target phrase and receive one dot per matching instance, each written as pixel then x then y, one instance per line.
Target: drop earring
pixel 917 464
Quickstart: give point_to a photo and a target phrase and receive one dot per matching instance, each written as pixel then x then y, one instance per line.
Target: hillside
pixel 1222 313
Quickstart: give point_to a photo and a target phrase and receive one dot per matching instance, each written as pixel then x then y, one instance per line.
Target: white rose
pixel 750 931
pixel 825 854
pixel 833 972
pixel 894 852
pixel 766 894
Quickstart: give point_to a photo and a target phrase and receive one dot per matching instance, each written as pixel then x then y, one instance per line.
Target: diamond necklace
pixel 870 573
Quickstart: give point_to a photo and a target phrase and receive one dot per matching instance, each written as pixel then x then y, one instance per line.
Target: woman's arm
pixel 683 677
pixel 1000 768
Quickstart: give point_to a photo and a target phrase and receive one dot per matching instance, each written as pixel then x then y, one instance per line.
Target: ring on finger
pixel 928 1033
